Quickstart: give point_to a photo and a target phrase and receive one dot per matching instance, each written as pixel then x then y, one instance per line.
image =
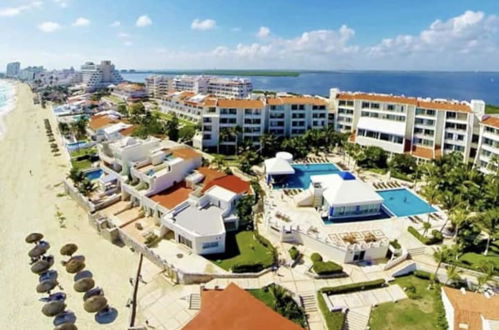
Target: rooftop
pixel 172 196
pixel 296 100
pixel 491 121
pixel 203 221
pixel 422 103
pixel 210 174
pixel 240 103
pixel 185 153
pixel 470 307
pixel 229 182
pixel 234 308
pixel 99 121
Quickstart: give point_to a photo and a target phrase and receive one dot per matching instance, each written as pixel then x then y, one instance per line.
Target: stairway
pixel 195 301
pixel 416 251
pixel 357 318
pixel 309 303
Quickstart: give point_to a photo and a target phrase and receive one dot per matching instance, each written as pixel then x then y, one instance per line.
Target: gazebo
pixel 279 166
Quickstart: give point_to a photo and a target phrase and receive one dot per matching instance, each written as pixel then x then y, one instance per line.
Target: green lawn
pixel 268 299
pixel 422 311
pixel 242 248
pixel 491 109
pixel 168 116
pixel 472 260
pixel 334 320
pixel 83 152
pixel 81 164
pixel 114 99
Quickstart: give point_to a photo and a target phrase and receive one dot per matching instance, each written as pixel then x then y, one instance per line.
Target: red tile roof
pixel 296 100
pixel 210 174
pixel 491 121
pixel 469 308
pixel 435 105
pixel 99 121
pixel 185 153
pixel 172 196
pixel 229 182
pixel 240 103
pixel 236 309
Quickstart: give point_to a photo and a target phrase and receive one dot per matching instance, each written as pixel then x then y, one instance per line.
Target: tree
pixel 458 217
pixel 488 221
pixel 426 227
pixel 186 133
pixel 64 128
pixel 79 128
pixel 76 176
pixel 403 163
pixel 86 187
pixel 487 270
pixel 219 162
pixel 172 128
pixel 244 209
pixel 449 201
pixel 453 274
pixel 121 108
pixel 440 256
pixel 269 144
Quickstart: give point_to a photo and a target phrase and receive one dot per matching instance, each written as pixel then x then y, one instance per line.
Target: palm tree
pixel 279 294
pixel 449 202
pixel 488 222
pixel 426 227
pixel 487 270
pixel 223 135
pixel 76 176
pixel 431 193
pixel 86 187
pixel 236 132
pixel 269 144
pixel 458 217
pixel 219 162
pixel 440 256
pixel 453 274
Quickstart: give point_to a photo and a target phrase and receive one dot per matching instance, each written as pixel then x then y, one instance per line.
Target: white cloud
pixel 115 24
pixel 14 11
pixel 128 43
pixel 81 21
pixel 263 32
pixel 203 25
pixel 123 35
pixel 236 29
pixel 62 3
pixel 49 27
pixel 143 21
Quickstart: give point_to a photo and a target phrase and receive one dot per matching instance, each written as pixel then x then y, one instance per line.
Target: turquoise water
pixel 403 203
pixel 94 175
pixel 303 172
pixel 76 145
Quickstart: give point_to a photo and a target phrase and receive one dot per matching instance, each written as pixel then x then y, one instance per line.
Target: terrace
pixel 173 196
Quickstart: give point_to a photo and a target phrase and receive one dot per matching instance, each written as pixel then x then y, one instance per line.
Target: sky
pixel 452 35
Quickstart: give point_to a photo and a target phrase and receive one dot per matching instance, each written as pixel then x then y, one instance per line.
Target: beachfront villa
pixel 108 126
pixel 163 184
pixel 129 92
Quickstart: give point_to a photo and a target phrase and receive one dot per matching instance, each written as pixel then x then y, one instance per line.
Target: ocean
pixel 448 85
pixel 7 101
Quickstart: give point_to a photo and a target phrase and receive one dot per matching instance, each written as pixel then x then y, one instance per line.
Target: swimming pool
pixel 303 172
pixel 403 203
pixel 77 145
pixel 94 174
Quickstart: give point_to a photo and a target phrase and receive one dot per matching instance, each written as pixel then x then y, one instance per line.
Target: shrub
pixel 326 268
pixel 315 257
pixel 395 243
pixel 354 287
pixel 247 268
pixel 436 237
pixel 265 242
pixel 422 274
pixel 294 253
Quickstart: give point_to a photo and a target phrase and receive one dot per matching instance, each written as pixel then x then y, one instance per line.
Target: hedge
pixel 395 243
pixel 334 320
pixel 265 242
pixel 315 257
pixel 353 287
pixel 326 268
pixel 247 268
pixel 436 237
pixel 294 253
pixel 422 274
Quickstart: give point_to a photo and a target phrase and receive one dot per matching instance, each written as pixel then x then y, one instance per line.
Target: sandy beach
pixel 28 203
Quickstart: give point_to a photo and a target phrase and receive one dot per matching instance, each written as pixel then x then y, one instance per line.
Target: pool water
pixel 303 172
pixel 403 203
pixel 93 175
pixel 76 145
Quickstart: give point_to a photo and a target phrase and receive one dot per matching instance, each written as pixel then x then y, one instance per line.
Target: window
pixel 185 241
pixel 210 245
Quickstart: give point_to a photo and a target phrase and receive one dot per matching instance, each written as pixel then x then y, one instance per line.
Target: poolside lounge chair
pixel 418 218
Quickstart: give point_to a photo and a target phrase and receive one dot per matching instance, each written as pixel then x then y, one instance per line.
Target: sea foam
pixel 7 101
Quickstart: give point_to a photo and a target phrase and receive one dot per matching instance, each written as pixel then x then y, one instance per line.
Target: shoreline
pixel 9 106
pixel 33 200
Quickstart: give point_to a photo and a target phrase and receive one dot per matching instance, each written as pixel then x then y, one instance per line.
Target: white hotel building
pixel 487 158
pixel 97 76
pixel 424 128
pixel 284 116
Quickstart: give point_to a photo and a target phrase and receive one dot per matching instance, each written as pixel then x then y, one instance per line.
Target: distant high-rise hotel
pixel 97 76
pixel 13 69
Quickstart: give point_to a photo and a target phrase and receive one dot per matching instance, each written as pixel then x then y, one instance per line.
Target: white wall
pixel 449 310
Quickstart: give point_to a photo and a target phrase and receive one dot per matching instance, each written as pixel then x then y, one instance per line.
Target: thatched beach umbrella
pixel 93 292
pixel 37 251
pixel 69 249
pixel 95 304
pixel 53 308
pixel 66 326
pixel 84 284
pixel 75 266
pixel 33 237
pixel 40 266
pixel 46 286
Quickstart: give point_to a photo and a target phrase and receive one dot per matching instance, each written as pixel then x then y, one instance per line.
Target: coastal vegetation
pixel 491 109
pixel 423 309
pixel 281 301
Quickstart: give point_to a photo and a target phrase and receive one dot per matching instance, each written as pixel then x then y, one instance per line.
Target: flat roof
pixel 235 309
pixel 205 221
pixel 221 193
pixel 172 196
